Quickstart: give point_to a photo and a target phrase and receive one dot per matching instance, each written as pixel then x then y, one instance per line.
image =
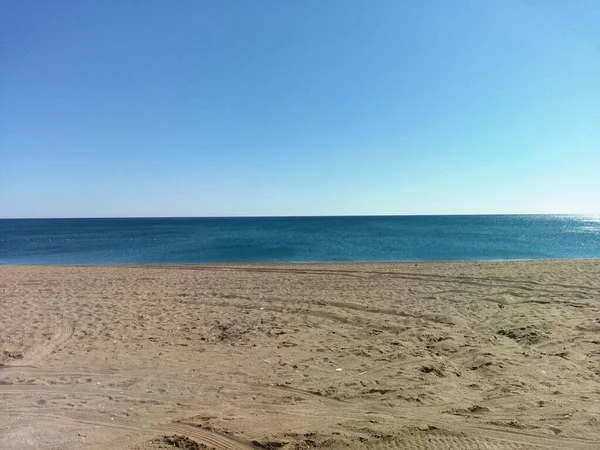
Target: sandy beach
pixel 388 356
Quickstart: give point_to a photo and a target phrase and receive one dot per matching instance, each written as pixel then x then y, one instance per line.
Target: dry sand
pixel 388 356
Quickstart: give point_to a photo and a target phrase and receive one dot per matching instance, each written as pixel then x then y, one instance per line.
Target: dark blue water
pixel 297 239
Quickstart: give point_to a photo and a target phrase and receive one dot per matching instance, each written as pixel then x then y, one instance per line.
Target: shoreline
pixel 307 263
pixel 417 355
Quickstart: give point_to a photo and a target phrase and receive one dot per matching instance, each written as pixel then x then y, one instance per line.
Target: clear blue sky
pixel 210 108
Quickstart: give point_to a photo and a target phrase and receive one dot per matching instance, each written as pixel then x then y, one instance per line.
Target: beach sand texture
pixel 381 356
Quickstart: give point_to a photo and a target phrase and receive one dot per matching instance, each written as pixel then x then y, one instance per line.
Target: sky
pixel 258 108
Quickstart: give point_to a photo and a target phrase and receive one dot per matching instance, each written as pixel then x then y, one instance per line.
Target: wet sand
pixel 387 356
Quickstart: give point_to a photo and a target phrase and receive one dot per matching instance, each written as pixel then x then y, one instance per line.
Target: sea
pixel 298 239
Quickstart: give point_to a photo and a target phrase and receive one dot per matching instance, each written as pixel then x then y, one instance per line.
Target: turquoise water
pixel 297 239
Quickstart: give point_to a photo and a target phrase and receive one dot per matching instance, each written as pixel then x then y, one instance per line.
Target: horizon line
pixel 300 216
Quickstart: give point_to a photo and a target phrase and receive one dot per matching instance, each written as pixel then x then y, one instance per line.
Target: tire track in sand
pixel 144 432
pixel 35 355
pixel 460 437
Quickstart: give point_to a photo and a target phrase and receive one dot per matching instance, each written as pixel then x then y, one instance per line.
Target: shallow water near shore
pixel 298 239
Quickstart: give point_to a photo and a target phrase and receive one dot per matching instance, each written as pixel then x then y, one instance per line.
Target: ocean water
pixel 297 239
